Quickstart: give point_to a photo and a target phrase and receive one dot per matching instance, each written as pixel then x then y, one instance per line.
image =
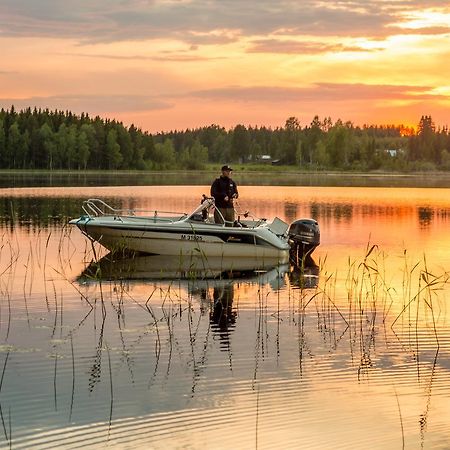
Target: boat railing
pixel 247 218
pixel 207 208
pixel 95 207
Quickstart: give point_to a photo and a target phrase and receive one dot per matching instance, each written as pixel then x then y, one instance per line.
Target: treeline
pixel 44 139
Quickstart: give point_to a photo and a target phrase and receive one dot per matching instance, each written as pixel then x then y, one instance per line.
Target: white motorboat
pixel 166 233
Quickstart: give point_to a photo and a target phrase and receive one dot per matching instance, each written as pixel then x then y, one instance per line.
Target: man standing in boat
pixel 224 191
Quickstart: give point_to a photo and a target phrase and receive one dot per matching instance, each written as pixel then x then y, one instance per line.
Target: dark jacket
pixel 224 187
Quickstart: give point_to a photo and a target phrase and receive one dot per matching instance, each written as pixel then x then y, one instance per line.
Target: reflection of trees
pixel 290 211
pixel 106 178
pixel 332 210
pixel 32 213
pixel 426 216
pixel 347 212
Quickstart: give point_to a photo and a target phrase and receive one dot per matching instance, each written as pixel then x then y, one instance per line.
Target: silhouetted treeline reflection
pixel 34 212
pixel 18 179
pixel 426 216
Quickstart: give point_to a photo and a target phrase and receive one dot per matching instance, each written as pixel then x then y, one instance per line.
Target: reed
pixel 29 264
pixel 357 300
pixel 428 287
pixel 7 437
pixel 371 296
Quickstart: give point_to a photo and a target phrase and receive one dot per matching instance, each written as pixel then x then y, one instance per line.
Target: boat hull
pixel 184 239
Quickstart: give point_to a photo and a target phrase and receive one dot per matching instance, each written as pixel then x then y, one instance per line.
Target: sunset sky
pixel 176 64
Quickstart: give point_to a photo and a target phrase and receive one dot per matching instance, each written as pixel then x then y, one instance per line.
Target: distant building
pixel 264 158
pixel 394 152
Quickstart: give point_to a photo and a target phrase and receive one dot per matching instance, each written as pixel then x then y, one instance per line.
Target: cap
pixel 226 167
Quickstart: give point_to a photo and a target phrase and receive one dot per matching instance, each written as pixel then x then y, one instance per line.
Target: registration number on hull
pixel 191 237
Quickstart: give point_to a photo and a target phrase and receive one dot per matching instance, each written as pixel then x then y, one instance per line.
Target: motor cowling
pixel 304 237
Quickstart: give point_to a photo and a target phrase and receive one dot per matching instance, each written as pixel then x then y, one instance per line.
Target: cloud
pixel 199 22
pixel 431 31
pixel 319 92
pixel 300 48
pixel 163 56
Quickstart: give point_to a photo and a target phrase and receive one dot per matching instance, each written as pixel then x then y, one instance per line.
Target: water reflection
pixel 35 212
pixel 223 314
pixel 199 271
pixel 305 277
pixel 156 267
pixel 425 216
pixel 66 179
pixel 213 282
pixel 150 353
pixel 31 209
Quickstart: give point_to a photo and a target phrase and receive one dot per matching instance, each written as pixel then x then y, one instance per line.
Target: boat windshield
pixel 205 205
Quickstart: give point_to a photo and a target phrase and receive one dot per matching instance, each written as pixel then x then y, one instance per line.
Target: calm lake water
pixel 353 352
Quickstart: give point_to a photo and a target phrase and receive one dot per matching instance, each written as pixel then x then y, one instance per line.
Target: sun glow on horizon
pixel 425 18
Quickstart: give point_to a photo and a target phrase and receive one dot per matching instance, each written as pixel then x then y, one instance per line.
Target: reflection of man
pixel 224 191
pixel 222 315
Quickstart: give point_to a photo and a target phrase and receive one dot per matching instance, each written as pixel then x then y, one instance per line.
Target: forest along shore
pixel 43 139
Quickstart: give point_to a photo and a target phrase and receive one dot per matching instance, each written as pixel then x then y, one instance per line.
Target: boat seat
pixel 238 224
pixel 197 217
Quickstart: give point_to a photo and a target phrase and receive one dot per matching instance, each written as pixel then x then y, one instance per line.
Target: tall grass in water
pixel 422 308
pixel 368 296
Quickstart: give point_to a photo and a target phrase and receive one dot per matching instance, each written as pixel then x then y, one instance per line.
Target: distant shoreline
pixel 239 169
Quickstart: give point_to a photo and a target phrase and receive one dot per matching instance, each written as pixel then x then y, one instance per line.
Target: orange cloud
pixel 165 65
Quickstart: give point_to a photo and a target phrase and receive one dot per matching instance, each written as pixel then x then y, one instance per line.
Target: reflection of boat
pixel 195 233
pixel 305 277
pixel 200 272
pixel 141 267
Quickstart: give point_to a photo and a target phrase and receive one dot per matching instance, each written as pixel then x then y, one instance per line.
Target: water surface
pixel 351 352
pixel 268 178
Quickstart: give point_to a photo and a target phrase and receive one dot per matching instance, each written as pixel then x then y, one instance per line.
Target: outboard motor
pixel 304 237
